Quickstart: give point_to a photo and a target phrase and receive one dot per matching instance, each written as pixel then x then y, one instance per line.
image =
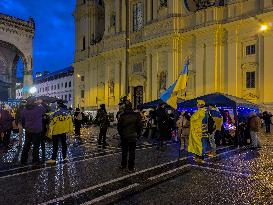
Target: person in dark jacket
pixel 32 119
pixel 129 129
pixel 103 121
pixel 5 126
pixel 163 125
pixel 18 119
pixel 78 121
pixel 267 121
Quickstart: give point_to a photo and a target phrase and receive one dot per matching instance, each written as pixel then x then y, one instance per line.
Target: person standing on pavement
pixel 254 124
pixel 267 121
pixel 198 131
pixel 5 126
pixel 32 120
pixel 183 124
pixel 60 125
pixel 215 123
pixel 129 129
pixel 103 122
pixel 18 119
pixel 78 121
pixel 163 125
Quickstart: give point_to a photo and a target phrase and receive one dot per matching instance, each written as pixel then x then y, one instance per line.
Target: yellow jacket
pixel 197 128
pixel 60 123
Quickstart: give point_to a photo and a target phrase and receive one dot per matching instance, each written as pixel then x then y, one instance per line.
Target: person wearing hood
pixel 198 130
pixel 60 125
pixel 103 121
pixel 129 129
pixel 32 120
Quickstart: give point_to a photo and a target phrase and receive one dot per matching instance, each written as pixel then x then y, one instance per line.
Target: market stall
pixel 233 109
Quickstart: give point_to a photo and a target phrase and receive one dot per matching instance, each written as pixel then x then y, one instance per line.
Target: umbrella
pixel 47 99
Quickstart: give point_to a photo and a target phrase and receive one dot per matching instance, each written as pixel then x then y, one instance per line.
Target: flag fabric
pixel 170 95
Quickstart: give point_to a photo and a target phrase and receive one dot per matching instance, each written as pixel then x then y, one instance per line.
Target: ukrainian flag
pixel 170 95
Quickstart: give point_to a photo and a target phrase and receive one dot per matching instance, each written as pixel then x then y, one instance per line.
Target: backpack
pixel 211 124
pixel 79 117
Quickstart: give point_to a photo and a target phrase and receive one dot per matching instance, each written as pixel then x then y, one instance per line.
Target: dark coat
pixel 32 118
pixel 163 124
pixel 5 120
pixel 129 125
pixel 102 119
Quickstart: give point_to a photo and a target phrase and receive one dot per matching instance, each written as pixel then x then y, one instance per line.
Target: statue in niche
pixel 163 3
pixel 113 20
pixel 101 92
pixel 3 67
pixel 162 81
pixel 111 87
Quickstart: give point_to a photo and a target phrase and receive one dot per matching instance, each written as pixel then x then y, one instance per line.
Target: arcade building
pixel 16 42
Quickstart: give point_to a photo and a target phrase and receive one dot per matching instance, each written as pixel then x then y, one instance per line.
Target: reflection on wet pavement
pixel 235 176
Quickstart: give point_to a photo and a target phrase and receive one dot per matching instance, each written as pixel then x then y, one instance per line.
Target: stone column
pixel 123 67
pixel 117 12
pixel 106 82
pixel 28 80
pixel 260 71
pixel 267 69
pixel 172 62
pixel 154 80
pixel 200 69
pixel 123 15
pixel 148 9
pixel 117 88
pixel 232 84
pixel 172 6
pixel 155 8
pixel 211 70
pixel 149 87
pixel 107 19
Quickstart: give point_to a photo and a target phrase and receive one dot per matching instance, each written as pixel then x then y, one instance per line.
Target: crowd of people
pixel 40 122
pixel 198 132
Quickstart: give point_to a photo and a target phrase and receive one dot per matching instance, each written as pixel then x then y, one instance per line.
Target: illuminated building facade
pixel 229 43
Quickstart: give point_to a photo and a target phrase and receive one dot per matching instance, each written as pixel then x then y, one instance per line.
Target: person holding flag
pixel 170 95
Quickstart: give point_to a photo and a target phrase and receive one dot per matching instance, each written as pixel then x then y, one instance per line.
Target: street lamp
pixel 127 46
pixel 264 27
pixel 32 90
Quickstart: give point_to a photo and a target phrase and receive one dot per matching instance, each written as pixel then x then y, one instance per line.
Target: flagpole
pixel 179 152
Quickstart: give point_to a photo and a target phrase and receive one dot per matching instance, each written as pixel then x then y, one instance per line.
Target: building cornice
pixel 17 25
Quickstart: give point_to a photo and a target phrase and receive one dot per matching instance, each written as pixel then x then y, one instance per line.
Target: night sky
pixel 54 35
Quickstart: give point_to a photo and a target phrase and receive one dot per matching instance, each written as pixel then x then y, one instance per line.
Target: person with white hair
pixel 254 125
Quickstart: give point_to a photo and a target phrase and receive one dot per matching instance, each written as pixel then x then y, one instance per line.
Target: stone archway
pixel 16 41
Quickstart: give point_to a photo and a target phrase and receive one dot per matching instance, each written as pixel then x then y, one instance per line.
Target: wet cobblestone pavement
pixel 91 176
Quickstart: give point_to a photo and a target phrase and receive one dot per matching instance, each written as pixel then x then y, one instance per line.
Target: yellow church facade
pixel 230 46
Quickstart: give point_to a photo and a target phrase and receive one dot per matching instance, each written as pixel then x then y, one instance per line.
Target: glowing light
pixel 32 90
pixel 264 27
pixel 79 75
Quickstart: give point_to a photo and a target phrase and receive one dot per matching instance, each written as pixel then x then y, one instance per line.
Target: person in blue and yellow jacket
pixel 198 130
pixel 216 126
pixel 60 124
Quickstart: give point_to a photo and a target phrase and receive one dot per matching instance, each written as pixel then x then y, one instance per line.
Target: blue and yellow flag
pixel 170 95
